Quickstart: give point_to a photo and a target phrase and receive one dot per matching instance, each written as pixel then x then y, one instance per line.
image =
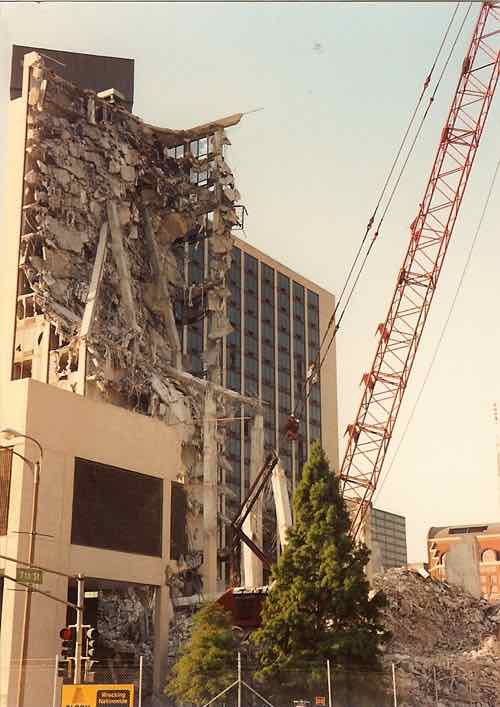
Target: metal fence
pixel 42 675
pixel 426 683
pixel 111 673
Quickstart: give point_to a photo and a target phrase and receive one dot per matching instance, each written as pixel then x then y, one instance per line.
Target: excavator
pixel 384 385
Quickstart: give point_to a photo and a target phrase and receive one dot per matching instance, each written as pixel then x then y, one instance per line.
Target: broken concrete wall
pixel 462 565
pixel 89 165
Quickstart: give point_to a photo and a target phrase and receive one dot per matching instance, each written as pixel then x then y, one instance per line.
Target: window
pixel 199 148
pixel 474 529
pixel 178 513
pixel 5 474
pixel 22 369
pixel 117 509
pixel 176 152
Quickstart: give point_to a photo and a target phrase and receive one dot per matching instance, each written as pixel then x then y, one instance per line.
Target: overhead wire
pixel 395 161
pixel 333 321
pixel 444 328
pixel 398 180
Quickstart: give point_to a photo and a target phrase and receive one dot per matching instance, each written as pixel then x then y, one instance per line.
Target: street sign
pixel 29 575
pixel 97 696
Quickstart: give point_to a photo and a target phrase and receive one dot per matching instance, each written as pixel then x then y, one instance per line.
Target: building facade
pixel 441 539
pixel 387 533
pixel 277 319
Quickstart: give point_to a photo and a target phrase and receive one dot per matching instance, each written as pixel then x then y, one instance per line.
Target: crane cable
pixel 391 171
pixel 319 360
pixel 393 192
pixel 445 326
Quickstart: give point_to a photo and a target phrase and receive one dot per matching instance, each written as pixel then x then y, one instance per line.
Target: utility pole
pixel 79 629
pixel 239 679
pixel 330 703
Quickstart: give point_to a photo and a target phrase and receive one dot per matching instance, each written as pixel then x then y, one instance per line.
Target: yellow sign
pixel 97 696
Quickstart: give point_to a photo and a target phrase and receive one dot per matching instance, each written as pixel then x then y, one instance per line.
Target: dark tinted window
pixel 5 472
pixel 116 509
pixel 178 535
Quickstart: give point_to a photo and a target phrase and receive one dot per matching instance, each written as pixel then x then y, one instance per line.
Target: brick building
pixel 440 540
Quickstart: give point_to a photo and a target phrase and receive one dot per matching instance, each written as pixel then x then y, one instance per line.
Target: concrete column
pixel 122 264
pixel 163 615
pixel 252 566
pixel 209 567
pixel 282 503
pixel 41 336
pixel 462 565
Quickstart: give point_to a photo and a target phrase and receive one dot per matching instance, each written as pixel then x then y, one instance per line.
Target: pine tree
pixel 207 664
pixel 319 605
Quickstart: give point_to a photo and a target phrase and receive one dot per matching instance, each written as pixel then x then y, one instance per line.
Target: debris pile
pixel 444 642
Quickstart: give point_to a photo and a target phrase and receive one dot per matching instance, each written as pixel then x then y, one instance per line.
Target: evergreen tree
pixel 319 605
pixel 207 663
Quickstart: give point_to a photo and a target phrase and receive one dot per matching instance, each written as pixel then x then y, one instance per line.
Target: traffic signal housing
pixel 68 647
pixel 64 668
pixel 68 638
pixel 92 639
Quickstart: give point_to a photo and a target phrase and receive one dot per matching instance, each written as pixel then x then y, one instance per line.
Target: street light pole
pixel 36 467
pixel 27 603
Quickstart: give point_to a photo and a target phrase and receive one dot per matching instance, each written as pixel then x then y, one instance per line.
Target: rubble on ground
pixel 444 643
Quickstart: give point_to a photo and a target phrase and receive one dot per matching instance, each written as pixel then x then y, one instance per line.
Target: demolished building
pixel 111 209
pixel 103 213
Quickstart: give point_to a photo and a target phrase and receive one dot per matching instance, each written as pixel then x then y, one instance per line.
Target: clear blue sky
pixel 337 83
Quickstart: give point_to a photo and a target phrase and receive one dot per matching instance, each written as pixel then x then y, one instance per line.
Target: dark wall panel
pixel 116 509
pixel 97 73
pixel 5 473
pixel 178 521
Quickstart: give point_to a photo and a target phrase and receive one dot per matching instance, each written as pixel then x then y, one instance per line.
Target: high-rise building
pixel 278 319
pixel 387 533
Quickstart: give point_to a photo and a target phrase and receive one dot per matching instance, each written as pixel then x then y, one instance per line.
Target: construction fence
pixel 395 684
pixel 133 679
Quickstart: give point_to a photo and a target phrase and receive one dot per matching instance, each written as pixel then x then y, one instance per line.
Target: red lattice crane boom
pixel 430 233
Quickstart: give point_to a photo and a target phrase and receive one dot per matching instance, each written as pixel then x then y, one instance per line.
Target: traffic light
pixel 68 647
pixel 64 668
pixel 68 638
pixel 92 638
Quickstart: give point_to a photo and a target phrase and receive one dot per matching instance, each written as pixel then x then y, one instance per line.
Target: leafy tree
pixel 319 605
pixel 207 663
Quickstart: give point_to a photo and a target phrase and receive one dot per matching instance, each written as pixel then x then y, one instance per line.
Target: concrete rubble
pixel 444 642
pixel 125 621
